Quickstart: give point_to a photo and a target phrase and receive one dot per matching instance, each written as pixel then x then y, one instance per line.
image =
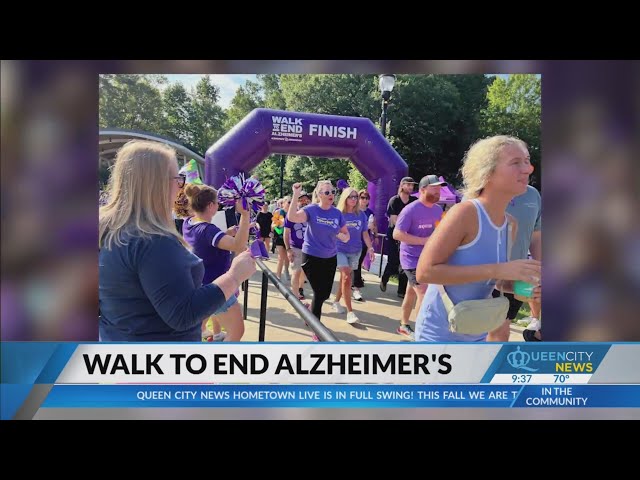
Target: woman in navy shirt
pixel 150 285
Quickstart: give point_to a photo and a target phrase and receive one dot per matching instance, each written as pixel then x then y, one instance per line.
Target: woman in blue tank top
pixel 467 252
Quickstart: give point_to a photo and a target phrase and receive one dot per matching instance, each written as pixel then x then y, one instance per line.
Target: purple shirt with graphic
pixel 418 220
pixel 297 232
pixel 322 228
pixel 357 224
pixel 204 238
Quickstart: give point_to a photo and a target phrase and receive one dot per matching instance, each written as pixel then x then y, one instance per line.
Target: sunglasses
pixel 329 192
pixel 364 198
pixel 181 180
pixel 352 197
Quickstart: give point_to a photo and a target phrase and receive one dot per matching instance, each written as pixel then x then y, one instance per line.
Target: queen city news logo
pixel 551 361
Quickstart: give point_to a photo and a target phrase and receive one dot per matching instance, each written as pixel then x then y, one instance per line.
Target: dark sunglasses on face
pixel 362 197
pixel 181 179
pixel 329 192
pixel 352 197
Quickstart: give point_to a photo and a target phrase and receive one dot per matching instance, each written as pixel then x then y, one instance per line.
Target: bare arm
pixel 536 245
pixel 460 227
pixel 407 238
pixel 295 215
pixel 287 238
pixel 367 239
pixel 239 242
pixel 344 235
pixel 392 220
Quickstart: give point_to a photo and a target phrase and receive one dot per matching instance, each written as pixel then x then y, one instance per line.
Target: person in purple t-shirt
pixel 349 252
pixel 325 224
pixel 214 247
pixel 293 239
pixel 415 224
pixel 358 281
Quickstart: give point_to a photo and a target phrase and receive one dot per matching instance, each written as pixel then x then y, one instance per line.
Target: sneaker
pixel 530 336
pixel 357 295
pixel 314 338
pixel 209 336
pixel 352 318
pixel 338 308
pixel 407 331
pixel 301 294
pixel 219 337
pixel 383 285
pixel 400 295
pixel 534 325
pixel 523 322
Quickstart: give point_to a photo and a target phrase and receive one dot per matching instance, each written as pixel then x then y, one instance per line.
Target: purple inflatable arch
pixel 264 132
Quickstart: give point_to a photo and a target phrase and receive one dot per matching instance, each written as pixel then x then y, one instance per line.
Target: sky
pixel 228 84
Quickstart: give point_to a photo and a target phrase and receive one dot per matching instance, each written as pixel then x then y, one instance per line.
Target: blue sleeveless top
pixel 489 246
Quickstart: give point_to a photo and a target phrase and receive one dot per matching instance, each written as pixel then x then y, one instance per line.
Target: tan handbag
pixel 474 317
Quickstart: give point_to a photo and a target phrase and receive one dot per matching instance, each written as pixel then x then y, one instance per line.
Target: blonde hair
pixel 480 162
pixel 140 187
pixel 315 197
pixel 342 203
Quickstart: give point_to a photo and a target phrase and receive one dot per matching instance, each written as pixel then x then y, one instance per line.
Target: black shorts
pixel 265 233
pixel 279 241
pixel 514 305
pixel 411 276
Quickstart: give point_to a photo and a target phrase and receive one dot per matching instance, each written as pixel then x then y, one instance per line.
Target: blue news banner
pixel 413 375
pixel 343 396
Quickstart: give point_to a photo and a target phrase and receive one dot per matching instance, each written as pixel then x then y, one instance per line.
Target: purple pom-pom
pixel 237 187
pixel 342 184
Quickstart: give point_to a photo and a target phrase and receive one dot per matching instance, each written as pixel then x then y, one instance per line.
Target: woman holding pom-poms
pixel 214 247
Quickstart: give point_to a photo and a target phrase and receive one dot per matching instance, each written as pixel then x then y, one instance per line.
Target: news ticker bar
pixel 83 368
pixel 343 396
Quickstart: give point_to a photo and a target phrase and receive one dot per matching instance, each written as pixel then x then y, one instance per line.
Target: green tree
pixel 514 108
pixel 348 95
pixel 473 99
pixel 356 179
pixel 177 113
pixel 207 117
pixel 130 101
pixel 272 92
pixel 425 113
pixel 246 99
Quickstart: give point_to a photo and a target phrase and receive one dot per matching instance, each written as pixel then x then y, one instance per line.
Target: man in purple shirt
pixel 415 224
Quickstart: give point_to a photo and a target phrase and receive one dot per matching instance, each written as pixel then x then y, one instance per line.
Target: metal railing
pixel 382 237
pixel 322 332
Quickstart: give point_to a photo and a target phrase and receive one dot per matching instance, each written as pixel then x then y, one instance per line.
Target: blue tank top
pixel 489 246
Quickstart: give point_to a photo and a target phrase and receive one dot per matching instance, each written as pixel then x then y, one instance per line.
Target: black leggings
pixel 393 264
pixel 320 273
pixel 357 280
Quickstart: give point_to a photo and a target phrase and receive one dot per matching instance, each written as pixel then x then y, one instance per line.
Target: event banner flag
pixel 37 376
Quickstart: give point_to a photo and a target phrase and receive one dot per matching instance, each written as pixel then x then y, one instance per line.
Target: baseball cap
pixel 431 180
pixel 304 194
pixel 407 180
